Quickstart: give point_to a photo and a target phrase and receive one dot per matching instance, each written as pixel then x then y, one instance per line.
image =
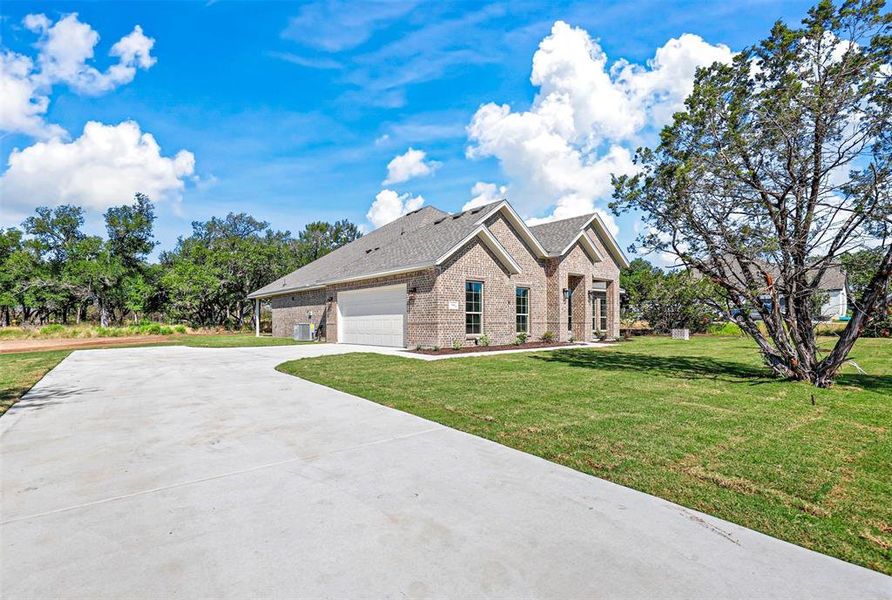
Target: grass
pixel 699 423
pixel 19 372
pixel 58 331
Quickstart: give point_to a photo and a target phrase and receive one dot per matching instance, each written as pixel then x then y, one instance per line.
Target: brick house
pixel 430 278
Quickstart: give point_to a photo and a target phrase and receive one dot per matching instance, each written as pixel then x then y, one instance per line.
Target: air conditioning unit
pixel 304 332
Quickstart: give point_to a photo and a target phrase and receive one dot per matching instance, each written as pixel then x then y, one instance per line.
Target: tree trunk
pixel 103 314
pixel 874 294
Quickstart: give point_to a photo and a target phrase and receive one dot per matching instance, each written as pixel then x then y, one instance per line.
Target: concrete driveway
pixel 188 472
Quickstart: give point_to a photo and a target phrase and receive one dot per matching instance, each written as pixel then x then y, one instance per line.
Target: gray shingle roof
pixel 556 235
pixel 417 239
pixel 834 278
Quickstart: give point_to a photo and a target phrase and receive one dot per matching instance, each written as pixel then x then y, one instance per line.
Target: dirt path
pixel 12 346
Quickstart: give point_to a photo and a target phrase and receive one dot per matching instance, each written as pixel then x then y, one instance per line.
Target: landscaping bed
pixel 475 349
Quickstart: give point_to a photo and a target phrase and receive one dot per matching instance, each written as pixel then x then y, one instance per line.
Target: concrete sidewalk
pixel 190 472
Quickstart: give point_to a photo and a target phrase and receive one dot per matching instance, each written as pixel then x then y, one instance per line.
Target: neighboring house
pixel 431 278
pixel 832 285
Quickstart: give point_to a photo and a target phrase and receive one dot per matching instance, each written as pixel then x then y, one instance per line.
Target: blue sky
pixel 293 111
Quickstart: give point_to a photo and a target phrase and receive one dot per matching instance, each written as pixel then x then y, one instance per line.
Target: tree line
pixel 53 272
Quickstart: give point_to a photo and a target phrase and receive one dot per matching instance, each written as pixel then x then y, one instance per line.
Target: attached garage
pixel 373 316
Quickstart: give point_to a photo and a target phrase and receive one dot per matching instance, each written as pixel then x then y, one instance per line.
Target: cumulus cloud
pixel 389 206
pixel 485 193
pixel 64 49
pixel 409 165
pixel 559 155
pixel 22 108
pixel 105 166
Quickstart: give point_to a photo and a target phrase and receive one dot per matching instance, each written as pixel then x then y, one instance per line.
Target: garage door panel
pixel 373 316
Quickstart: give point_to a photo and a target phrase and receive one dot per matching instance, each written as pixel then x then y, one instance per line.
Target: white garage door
pixel 375 316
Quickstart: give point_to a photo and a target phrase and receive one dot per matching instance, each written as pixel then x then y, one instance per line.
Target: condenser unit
pixel 304 332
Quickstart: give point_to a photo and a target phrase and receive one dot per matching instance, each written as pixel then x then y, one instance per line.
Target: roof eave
pixel 323 284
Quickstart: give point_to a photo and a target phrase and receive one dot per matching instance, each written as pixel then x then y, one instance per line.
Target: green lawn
pixel 699 423
pixel 19 372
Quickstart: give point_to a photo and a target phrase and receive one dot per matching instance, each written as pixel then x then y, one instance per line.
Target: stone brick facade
pixel 435 311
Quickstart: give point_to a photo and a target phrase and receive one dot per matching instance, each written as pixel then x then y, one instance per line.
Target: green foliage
pixel 179 328
pixel 457 343
pixel 727 328
pixel 208 276
pixel 484 340
pixel 666 300
pixel 638 281
pixel 50 330
pixel 521 338
pixel 57 272
pixel 549 336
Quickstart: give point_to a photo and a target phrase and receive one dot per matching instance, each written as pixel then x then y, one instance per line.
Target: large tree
pixel 779 164
pixel 208 276
pixel 665 300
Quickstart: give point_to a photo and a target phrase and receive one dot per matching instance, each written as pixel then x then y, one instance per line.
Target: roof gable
pixel 559 236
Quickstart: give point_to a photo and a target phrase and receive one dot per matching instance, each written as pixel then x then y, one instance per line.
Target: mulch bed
pixel 475 349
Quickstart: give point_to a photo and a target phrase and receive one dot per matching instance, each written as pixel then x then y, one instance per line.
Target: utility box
pixel 305 332
pixel 681 334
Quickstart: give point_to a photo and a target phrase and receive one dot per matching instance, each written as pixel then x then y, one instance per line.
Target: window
pixel 599 310
pixel 473 307
pixel 522 309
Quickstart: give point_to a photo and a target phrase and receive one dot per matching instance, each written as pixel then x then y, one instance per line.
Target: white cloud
pixel 63 51
pixel 105 166
pixel 64 48
pixel 389 206
pixel 22 107
pixel 485 193
pixel 409 165
pixel 559 155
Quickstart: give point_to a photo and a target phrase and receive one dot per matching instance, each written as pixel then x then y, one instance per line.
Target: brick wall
pixel 532 274
pixel 299 307
pixel 575 272
pixel 607 270
pixel 421 329
pixel 475 262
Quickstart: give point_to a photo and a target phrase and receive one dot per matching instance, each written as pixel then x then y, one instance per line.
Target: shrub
pixel 484 340
pixel 457 344
pixel 179 328
pixel 726 328
pixel 151 329
pixel 521 338
pixel 548 336
pixel 54 329
pixel 166 330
